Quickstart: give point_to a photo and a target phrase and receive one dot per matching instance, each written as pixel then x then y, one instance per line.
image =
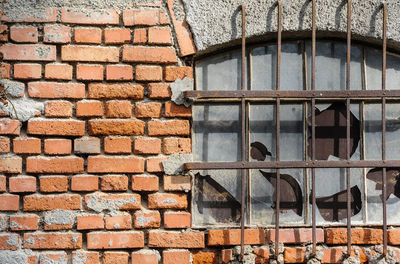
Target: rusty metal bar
pixel 278 131
pixel 243 138
pixel 384 43
pixel 348 127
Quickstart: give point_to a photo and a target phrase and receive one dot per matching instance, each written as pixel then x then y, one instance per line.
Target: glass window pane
pixel 374 70
pixel 292 126
pixel 393 131
pixel 373 131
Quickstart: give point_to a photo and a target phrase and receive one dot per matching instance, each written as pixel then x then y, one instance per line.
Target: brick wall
pixel 82 181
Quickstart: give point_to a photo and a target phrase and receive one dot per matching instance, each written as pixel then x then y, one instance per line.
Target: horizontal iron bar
pixel 292 164
pixel 356 94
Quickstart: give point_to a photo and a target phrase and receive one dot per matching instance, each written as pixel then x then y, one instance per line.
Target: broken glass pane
pixel 373 131
pixel 263 63
pixel 373 59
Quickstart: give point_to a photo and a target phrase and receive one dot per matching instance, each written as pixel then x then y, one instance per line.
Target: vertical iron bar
pixel 243 138
pixel 278 128
pixel 348 127
pixel 384 43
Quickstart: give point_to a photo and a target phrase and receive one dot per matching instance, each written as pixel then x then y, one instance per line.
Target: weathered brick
pixel 52 257
pixel 27 71
pixel 118 109
pixel 48 14
pixel 89 53
pixel 119 222
pixel 170 239
pixel 27 34
pixel 145 183
pixel 58 109
pixel 26 145
pixel 140 36
pixel 295 235
pixel 28 52
pixel 87 145
pixel 9 202
pixel 176 256
pixel 52 240
pixel 294 255
pixel 5 70
pixel 87 35
pixel 174 110
pixel 159 55
pixel 117 35
pixel 114 183
pixel 56 127
pixel 262 255
pixel 394 236
pixel 104 164
pixel 58 71
pixel 116 127
pixel 56 90
pixel 53 184
pixel 22 184
pixel 10 164
pixel 69 164
pixel 115 91
pixel 89 72
pixel 217 237
pixel 58 220
pixel 89 108
pixel 159 90
pixel 56 34
pixel 177 183
pixel 358 236
pixel 336 255
pixel 147 219
pixel 88 16
pixel 177 145
pixel 9 241
pixel 147 17
pixel 148 73
pixel 146 110
pixel 167 201
pixel 145 256
pixel 154 165
pixel 24 222
pixel 177 220
pixel 57 146
pixel 115 257
pixel 169 128
pixel 210 257
pixel 38 202
pixel 101 201
pixel 227 255
pixel 84 183
pixel 3 184
pixel 9 126
pixel 119 72
pixel 172 73
pixel 115 240
pixel 85 257
pixel 147 146
pixel 4 145
pixel 3 33
pixel 90 222
pixel 160 36
pixel 120 145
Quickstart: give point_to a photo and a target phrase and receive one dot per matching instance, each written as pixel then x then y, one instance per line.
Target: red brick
pixel 337 255
pixel 9 241
pixel 3 222
pixel 89 108
pixel 174 110
pixel 4 145
pixel 140 36
pixel 118 109
pixel 116 127
pixel 148 73
pixel 114 183
pixel 119 72
pixel 115 258
pixel 145 256
pixel 9 202
pixel 147 146
pixel 295 235
pixel 227 255
pixel 85 257
pixel 177 220
pixel 115 240
pixel 177 145
pixel 147 17
pixel 358 236
pixel 22 184
pixel 394 236
pixel 54 257
pixel 116 201
pixel 27 71
pixel 53 184
pixel 115 91
pixel 27 34
pixel 145 183
pixel 52 220
pixel 24 222
pixel 117 35
pixel 56 127
pixel 146 110
pixel 11 164
pixel 69 164
pixel 159 55
pixel 168 128
pixel 89 53
pixel 172 73
pixel 89 72
pixel 119 222
pixel 3 33
pixel 3 185
pixel 57 146
pixel 160 36
pixel 295 255
pixel 38 202
pixel 90 222
pixel 219 237
pixel 91 17
pixel 58 71
pixel 159 90
pixel 84 183
pixel 103 164
pixel 209 257
pixel 170 239
pixel 25 145
pixel 5 70
pixel 87 35
pixel 56 90
pixel 121 145
pixel 154 165
pixel 58 109
pixel 9 126
pixel 52 240
pixel 167 201
pixel 176 256
pixel 47 15
pixel 147 219
pixel 87 145
pixel 262 255
pixel 57 34
pixel 28 52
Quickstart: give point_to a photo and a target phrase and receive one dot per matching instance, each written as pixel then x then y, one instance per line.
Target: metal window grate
pixel 310 95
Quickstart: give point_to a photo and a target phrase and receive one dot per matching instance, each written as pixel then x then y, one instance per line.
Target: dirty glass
pixel 373 131
pixel 373 60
